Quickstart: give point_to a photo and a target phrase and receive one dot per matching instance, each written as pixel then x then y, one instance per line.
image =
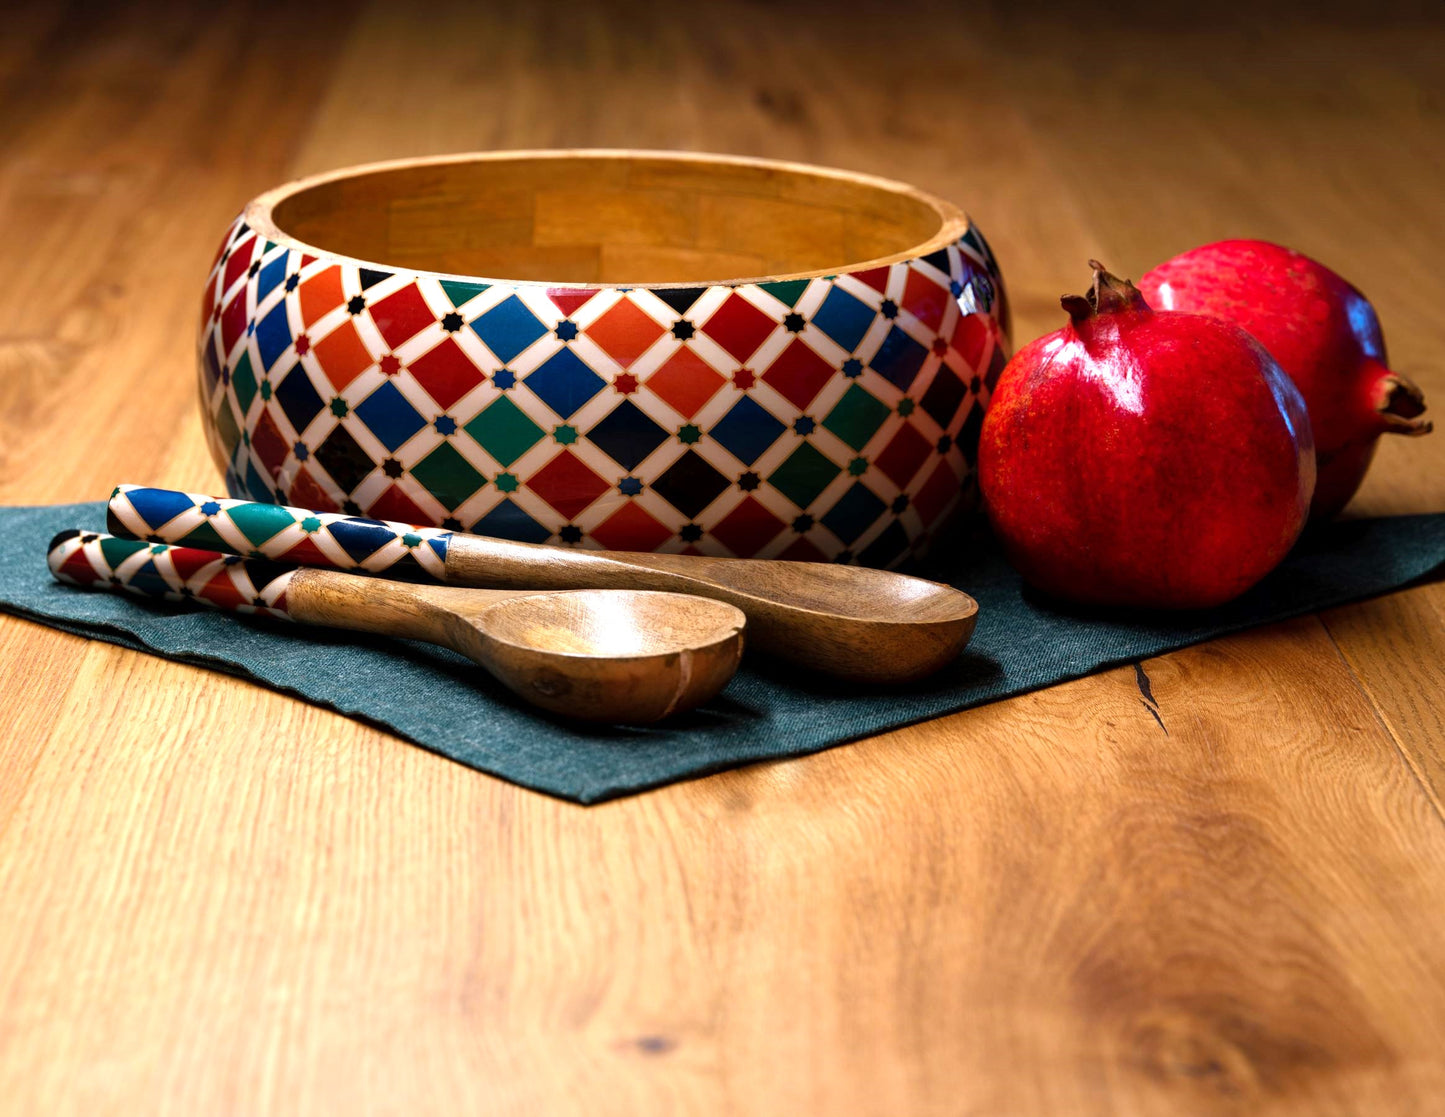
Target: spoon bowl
pixel 627 656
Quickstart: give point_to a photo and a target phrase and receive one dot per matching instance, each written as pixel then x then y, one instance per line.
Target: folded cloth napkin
pixel 444 703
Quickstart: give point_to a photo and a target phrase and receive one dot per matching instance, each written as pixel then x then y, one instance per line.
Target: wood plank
pixel 220 899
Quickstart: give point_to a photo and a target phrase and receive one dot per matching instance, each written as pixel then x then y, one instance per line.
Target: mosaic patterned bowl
pixel 550 347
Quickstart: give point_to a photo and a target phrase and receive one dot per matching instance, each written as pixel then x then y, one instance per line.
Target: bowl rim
pixel 953 222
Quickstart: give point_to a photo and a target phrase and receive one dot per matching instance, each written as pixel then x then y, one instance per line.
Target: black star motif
pixel 391 467
pixel 356 304
pixel 351 508
pixel 749 481
pixel 794 323
pixel 566 330
pixel 974 385
pixel 293 279
pixel 254 268
pixel 944 443
pixel 803 523
pixel 889 309
pixel 682 329
pixel 690 533
pixel 451 321
pixel 900 502
pixel 570 534
pixel 451 523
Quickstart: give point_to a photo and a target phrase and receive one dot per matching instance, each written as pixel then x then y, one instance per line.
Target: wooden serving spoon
pixel 626 657
pixel 849 621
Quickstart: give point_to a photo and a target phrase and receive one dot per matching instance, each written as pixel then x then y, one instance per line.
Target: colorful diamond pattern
pixel 800 418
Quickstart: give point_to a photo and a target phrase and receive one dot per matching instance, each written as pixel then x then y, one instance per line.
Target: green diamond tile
pixel 856 417
pixel 787 290
pixel 449 476
pixel 804 475
pixel 227 427
pixel 460 292
pixel 116 551
pixel 504 431
pixel 243 381
pixel 258 522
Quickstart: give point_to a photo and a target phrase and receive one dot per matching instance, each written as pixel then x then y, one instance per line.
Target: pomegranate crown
pixel 1109 295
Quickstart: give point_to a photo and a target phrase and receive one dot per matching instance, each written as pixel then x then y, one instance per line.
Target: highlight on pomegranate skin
pixel 1146 459
pixel 1323 332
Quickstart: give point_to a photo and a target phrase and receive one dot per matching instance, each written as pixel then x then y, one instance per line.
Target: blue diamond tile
pixel 854 512
pixel 747 430
pixel 273 334
pixel 627 435
pixel 360 537
pixel 389 416
pixel 270 276
pixel 844 318
pixel 564 383
pixel 157 506
pixel 508 521
pixel 899 358
pixel 298 398
pixel 508 328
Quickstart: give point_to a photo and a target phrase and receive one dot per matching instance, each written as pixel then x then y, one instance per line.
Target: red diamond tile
pixel 631 528
pixel 446 372
pixel 233 322
pixel 685 382
pixel 970 335
pixel 569 301
pixel 305 553
pixel 306 492
pixel 937 495
pixel 877 278
pixel 221 248
pixel 904 455
pixel 798 375
pixel 208 300
pixel 78 567
pixel 402 315
pixel 393 504
pixel 188 560
pixel 748 528
pixel 321 294
pixel 268 442
pixel 567 484
pixel 800 550
pixel 239 262
pixel 221 591
pixel 739 327
pixel 342 354
pixel 624 332
pixel 925 299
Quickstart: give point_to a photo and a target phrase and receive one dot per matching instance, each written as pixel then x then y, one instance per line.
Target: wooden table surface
pixel 214 898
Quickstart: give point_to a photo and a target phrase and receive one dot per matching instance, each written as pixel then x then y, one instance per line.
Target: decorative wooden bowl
pixel 553 346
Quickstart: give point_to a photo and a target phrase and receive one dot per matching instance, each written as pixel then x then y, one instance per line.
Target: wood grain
pixel 1211 885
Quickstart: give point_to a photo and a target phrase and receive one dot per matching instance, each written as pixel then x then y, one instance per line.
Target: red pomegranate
pixel 1143 458
pixel 1321 330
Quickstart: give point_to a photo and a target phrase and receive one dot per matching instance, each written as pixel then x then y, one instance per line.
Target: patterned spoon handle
pixel 170 573
pixel 272 531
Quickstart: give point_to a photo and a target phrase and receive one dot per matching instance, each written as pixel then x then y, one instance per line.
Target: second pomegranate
pixel 1146 459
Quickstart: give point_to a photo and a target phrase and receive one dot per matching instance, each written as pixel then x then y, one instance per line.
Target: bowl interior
pixel 579 218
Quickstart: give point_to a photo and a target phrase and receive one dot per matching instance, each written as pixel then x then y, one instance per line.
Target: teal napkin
pixel 443 702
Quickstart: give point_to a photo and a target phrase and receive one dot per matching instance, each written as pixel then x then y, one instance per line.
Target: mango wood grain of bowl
pixel 632 350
